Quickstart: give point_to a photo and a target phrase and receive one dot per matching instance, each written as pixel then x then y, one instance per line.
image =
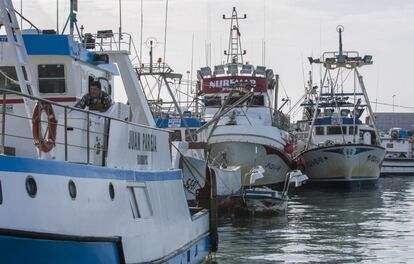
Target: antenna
pixel 341 58
pixel 71 20
pixel 234 52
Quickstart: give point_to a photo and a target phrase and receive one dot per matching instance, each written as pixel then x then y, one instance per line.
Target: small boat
pixel 333 145
pixel 263 201
pixel 399 160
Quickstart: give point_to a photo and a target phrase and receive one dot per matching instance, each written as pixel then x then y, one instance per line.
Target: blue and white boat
pixel 80 186
pixel 336 147
pixel 399 160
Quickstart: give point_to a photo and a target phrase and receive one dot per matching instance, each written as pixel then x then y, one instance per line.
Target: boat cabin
pixel 228 84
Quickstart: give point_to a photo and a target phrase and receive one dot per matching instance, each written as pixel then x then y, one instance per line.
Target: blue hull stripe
pixel 27 165
pixel 46 251
pixel 41 251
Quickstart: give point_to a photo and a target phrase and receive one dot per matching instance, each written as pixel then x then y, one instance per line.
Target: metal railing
pixel 65 110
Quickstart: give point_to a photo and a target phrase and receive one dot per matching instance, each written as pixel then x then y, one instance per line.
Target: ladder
pixel 21 61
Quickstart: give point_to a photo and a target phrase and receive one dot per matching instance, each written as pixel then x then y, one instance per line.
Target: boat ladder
pixel 19 56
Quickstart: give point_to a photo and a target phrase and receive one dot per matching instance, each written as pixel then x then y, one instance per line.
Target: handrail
pixel 79 109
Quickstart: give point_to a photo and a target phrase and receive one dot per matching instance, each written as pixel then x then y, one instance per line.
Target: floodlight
pixel 232 69
pixel 260 70
pixel 219 69
pixel 205 71
pixel 246 69
pixel 367 59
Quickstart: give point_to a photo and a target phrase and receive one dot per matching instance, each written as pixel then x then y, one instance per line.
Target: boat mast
pixel 234 52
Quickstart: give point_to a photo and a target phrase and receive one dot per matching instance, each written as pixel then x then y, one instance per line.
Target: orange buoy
pixel 45 143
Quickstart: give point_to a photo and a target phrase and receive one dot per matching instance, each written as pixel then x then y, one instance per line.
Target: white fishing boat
pixel 240 107
pixel 81 186
pixel 399 160
pixel 337 147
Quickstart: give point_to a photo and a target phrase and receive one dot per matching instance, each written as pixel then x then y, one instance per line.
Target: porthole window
pixel 72 189
pixel 111 191
pixel 31 186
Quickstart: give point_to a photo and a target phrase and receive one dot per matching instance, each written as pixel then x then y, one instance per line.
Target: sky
pixel 292 30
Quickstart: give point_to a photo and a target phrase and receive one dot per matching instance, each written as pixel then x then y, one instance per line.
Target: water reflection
pixel 365 226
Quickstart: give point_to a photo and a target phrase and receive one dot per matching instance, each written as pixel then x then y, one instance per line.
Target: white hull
pixel 148 212
pixel 250 155
pixel 344 163
pixel 398 166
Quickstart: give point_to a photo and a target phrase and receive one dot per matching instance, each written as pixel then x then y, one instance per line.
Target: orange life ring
pixel 47 142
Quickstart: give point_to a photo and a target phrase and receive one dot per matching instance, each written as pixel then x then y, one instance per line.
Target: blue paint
pixel 27 165
pixel 42 251
pixel 345 121
pixel 191 122
pixel 337 151
pixel 360 150
pixel 58 45
pixel 197 252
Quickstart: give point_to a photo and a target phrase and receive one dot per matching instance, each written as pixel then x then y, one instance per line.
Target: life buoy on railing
pixel 46 142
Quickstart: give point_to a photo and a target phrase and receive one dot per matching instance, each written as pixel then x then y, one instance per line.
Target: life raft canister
pixel 47 142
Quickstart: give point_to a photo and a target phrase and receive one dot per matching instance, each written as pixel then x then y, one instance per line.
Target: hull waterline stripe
pixel 62 168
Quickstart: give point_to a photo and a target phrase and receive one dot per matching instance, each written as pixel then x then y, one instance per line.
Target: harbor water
pixel 373 225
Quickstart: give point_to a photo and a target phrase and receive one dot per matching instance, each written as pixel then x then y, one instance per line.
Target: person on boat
pixel 96 99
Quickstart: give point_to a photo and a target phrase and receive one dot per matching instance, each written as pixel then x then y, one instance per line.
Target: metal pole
pixel 371 114
pixel 87 138
pixel 178 109
pixel 120 24
pixel 66 132
pixel 3 124
pixel 57 17
pixel 393 97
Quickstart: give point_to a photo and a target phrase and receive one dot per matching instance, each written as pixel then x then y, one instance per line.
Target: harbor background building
pixel 388 120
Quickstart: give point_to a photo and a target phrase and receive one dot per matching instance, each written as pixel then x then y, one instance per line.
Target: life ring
pixel 47 142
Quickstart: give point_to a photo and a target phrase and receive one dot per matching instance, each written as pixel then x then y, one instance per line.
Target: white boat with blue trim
pixel 96 187
pixel 399 160
pixel 334 145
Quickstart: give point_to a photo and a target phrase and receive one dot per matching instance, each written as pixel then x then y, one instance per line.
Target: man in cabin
pixel 96 99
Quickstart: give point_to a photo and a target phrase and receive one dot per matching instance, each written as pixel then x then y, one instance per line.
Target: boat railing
pixel 62 122
pixel 109 41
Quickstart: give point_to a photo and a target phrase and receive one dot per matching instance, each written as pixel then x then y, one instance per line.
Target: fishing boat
pixel 399 160
pixel 189 150
pixel 239 104
pixel 336 146
pixel 83 186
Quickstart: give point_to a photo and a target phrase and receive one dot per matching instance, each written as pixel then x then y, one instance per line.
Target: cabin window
pixel 336 130
pixel 105 85
pixel 352 129
pixel 257 100
pixel 390 145
pixel 51 78
pixel 188 136
pixel 319 130
pixel 233 99
pixel 8 78
pixel 176 135
pixel 213 101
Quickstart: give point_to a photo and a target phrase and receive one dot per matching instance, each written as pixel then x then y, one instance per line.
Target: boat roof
pixel 53 44
pixel 177 122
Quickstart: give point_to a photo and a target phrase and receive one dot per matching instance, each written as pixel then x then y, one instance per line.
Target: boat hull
pixel 398 167
pixel 141 223
pixel 343 163
pixel 250 155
